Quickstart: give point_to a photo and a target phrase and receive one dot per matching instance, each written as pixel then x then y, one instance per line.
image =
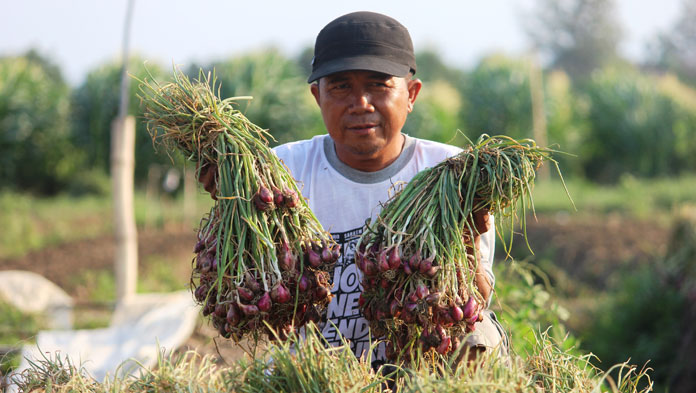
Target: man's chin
pixel 366 151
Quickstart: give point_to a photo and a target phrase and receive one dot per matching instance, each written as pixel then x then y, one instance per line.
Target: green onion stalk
pixel 417 256
pixel 263 260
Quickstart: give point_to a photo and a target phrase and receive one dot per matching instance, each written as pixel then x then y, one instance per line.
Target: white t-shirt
pixel 343 198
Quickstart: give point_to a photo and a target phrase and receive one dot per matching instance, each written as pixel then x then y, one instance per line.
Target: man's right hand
pixel 207 175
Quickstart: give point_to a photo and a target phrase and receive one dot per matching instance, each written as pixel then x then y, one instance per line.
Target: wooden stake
pixel 126 235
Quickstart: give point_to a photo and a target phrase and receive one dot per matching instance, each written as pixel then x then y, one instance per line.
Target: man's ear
pixel 314 88
pixel 414 87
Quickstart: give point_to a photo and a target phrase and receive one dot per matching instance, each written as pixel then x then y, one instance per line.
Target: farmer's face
pixel 364 112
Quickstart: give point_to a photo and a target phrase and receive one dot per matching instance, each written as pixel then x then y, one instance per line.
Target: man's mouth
pixel 362 127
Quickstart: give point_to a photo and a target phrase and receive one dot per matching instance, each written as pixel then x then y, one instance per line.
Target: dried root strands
pixel 418 278
pixel 260 244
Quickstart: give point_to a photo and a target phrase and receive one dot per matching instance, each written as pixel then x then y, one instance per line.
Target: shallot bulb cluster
pixel 248 306
pixel 404 302
pixel 267 199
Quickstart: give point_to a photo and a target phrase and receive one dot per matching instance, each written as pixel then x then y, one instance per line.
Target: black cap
pixel 363 41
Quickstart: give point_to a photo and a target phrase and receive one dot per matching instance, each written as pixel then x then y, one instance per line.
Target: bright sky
pixel 81 34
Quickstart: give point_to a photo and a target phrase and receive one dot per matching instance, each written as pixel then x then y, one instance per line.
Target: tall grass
pixel 15 327
pixel 548 368
pixel 312 367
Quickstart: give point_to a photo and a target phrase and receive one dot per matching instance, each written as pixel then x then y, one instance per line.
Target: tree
pixel 95 104
pixel 281 100
pixel 682 100
pixel 436 113
pixel 497 99
pixel 565 128
pixel 35 149
pixel 675 50
pixel 431 67
pixel 304 61
pixel 632 127
pixel 577 36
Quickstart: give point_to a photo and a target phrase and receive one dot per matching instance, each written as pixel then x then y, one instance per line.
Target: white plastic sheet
pixel 139 327
pixel 32 293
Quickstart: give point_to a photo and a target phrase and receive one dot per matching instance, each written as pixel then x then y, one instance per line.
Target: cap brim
pixel 362 63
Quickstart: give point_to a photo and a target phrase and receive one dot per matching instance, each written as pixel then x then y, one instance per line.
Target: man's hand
pixel 480 222
pixel 207 175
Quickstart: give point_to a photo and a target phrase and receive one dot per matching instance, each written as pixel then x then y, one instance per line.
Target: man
pixel 362 80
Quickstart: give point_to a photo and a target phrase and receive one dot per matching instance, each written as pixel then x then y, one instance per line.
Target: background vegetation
pixel 615 117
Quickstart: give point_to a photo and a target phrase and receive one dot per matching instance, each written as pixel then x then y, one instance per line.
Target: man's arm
pixel 482 223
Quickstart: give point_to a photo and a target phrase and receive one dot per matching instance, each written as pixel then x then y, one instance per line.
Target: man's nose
pixel 361 101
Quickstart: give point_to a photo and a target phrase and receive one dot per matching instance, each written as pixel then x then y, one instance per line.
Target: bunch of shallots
pixel 417 257
pixel 262 259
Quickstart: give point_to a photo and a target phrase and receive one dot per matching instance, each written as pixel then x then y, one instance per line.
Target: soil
pixel 61 264
pixel 584 248
pixel 592 249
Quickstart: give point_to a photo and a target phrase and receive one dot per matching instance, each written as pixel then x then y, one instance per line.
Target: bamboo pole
pixel 126 236
pixel 122 167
